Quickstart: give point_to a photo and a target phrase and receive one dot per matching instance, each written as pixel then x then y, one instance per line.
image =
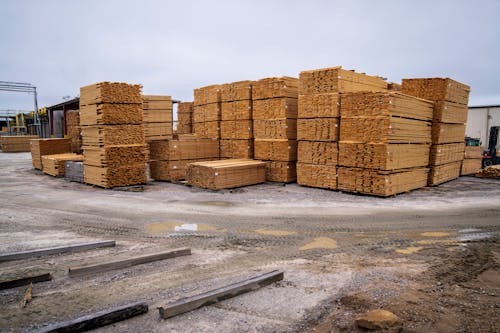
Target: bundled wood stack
pixel 54 165
pixel 169 158
pixel 74 130
pixel 185 118
pixel 473 160
pixel 225 174
pixel 207 112
pixel 16 143
pixel 275 105
pixel 41 147
pixel 236 126
pixel 158 121
pixel 73 171
pixel 385 139
pixel 489 172
pixel 448 124
pixel 114 146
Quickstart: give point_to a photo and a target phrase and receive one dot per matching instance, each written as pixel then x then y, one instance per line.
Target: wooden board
pixel 207 112
pixel 109 177
pixel 55 165
pixel 237 149
pixel 40 147
pixel 275 108
pixel 185 117
pixel 74 131
pixel 381 183
pixel 171 170
pixel 446 153
pixel 316 175
pixel 489 172
pixel 318 129
pixel 437 89
pixel 17 143
pixel 237 110
pixel 447 133
pixel 236 91
pixel 281 172
pixel 111 114
pixel 275 150
pixel 112 135
pixel 207 95
pixel 381 156
pixel 156 131
pixel 236 129
pixel 336 79
pixel 275 87
pixel 24 281
pixel 207 130
pixel 275 129
pixel 325 105
pixel 213 296
pixel 183 149
pixel 157 102
pixel 318 152
pixel 473 152
pixel 115 156
pixel 225 174
pixel 471 166
pixel 158 116
pixel 443 173
pixel 110 92
pixel 449 112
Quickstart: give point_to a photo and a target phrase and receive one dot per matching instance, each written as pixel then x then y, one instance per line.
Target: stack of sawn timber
pixel 225 174
pixel 16 143
pixel 473 160
pixel 207 112
pixel 42 147
pixel 236 126
pixel 169 158
pixel 448 124
pixel 185 118
pixel 157 113
pixel 275 105
pixel 54 165
pixel 114 146
pixel 489 172
pixel 74 131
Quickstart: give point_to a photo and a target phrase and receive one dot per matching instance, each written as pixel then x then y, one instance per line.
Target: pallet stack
pixel 448 124
pixel 185 118
pixel 236 126
pixel 473 160
pixel 74 130
pixel 114 146
pixel 157 113
pixel 169 159
pixel 41 147
pixel 54 165
pixel 16 143
pixel 275 126
pixel 385 139
pixel 207 112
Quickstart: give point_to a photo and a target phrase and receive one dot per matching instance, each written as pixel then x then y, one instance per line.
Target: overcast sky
pixel 172 47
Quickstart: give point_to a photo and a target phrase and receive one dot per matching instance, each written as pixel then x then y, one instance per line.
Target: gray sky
pixel 172 47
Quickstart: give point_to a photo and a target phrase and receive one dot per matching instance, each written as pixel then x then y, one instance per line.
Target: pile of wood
pixel 73 171
pixel 275 109
pixel 236 126
pixel 489 172
pixel 225 174
pixel 158 121
pixel 41 147
pixel 114 146
pixel 54 165
pixel 473 160
pixel 16 143
pixel 207 112
pixel 185 118
pixel 385 139
pixel 448 123
pixel 74 131
pixel 169 159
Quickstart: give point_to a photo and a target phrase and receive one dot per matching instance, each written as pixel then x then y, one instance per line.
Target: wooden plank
pixel 98 319
pixel 55 250
pixel 25 281
pixel 119 264
pixel 213 296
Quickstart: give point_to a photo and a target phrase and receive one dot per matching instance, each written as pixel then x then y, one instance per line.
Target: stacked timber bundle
pixel 169 158
pixel 54 165
pixel 236 126
pixel 207 112
pixel 489 172
pixel 73 171
pixel 275 104
pixel 216 175
pixel 114 146
pixel 448 124
pixel 157 112
pixel 16 143
pixel 385 139
pixel 41 147
pixel 185 118
pixel 74 131
pixel 473 160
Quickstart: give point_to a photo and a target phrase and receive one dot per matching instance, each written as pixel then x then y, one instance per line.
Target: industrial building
pixel 480 120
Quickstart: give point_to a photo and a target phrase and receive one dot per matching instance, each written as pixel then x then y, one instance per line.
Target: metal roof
pixel 65 103
pixel 484 106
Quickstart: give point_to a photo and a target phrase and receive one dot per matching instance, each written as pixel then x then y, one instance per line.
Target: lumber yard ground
pixel 430 256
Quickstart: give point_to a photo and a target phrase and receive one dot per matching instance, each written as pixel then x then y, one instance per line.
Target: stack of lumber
pixel 448 123
pixel 225 174
pixel 54 165
pixel 73 171
pixel 157 111
pixel 16 143
pixel 114 146
pixel 169 158
pixel 185 118
pixel 385 139
pixel 207 112
pixel 275 105
pixel 236 126
pixel 41 147
pixel 74 131
pixel 473 160
pixel 489 172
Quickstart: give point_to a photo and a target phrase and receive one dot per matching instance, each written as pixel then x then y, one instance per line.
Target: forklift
pixel 490 156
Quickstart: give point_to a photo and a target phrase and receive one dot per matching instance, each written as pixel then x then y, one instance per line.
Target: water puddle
pixel 320 243
pixel 476 236
pixel 435 234
pixel 163 227
pixel 409 250
pixel 275 232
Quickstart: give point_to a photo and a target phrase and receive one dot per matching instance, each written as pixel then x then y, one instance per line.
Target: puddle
pixel 476 236
pixel 162 227
pixel 275 232
pixel 409 250
pixel 435 234
pixel 468 231
pixel 216 203
pixel 320 243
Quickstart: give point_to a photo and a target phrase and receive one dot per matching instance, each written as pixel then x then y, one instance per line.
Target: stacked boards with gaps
pixel 275 106
pixel 16 143
pixel 185 118
pixel 41 147
pixel 473 160
pixel 74 131
pixel 157 113
pixel 207 112
pixel 114 147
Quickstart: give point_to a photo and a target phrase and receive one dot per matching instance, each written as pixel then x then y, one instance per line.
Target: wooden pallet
pixel 275 108
pixel 237 149
pixel 236 129
pixel 318 129
pixel 40 147
pixel 437 89
pixel 55 165
pixel 110 92
pixel 115 156
pixel 275 150
pixel 112 135
pixel 315 175
pixel 274 87
pixel 471 166
pixel 16 143
pixel 275 129
pixel 111 114
pixel 318 152
pixel 236 91
pixel 319 105
pixel 207 95
pixel 237 110
pixel 447 133
pixel 446 153
pixel 443 173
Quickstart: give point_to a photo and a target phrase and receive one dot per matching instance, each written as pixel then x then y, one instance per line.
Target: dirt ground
pixel 431 256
